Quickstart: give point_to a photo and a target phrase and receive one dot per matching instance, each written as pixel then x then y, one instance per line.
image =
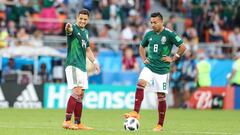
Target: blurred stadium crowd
pixel 116 28
pixel 204 20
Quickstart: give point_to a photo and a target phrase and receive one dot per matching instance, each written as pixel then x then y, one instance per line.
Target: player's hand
pixel 97 68
pixel 68 27
pixel 167 59
pixel 146 61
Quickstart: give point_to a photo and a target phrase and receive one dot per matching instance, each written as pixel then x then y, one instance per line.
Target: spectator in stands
pixel 58 71
pixel 3 37
pixel 73 6
pixel 12 30
pixel 105 31
pixel 23 38
pixel 234 78
pixel 37 39
pixel 129 62
pixel 175 85
pixel 49 12
pixel 128 32
pixel 186 8
pixel 9 72
pixel 191 39
pixel 127 35
pixel 88 4
pixel 142 29
pixel 10 68
pixel 237 17
pixel 215 29
pixel 60 6
pixel 30 26
pixel 108 32
pixel 25 77
pixel 0 69
pixel 172 23
pixel 203 71
pixel 134 45
pixel 134 17
pixel 189 73
pixel 2 11
pixel 43 74
pixel 113 13
pixel 15 9
pixel 234 37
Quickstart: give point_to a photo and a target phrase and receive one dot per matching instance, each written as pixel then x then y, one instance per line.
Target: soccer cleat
pixel 133 114
pixel 73 127
pixel 82 127
pixel 67 124
pixel 158 128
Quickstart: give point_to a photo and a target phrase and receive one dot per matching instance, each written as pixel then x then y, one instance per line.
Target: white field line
pixel 114 130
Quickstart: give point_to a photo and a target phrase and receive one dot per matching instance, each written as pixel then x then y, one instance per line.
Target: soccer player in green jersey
pixel 75 68
pixel 159 41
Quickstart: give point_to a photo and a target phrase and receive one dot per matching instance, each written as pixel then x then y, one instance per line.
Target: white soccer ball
pixel 131 124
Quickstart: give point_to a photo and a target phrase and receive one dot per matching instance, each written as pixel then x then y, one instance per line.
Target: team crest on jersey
pixel 164 39
pixel 84 44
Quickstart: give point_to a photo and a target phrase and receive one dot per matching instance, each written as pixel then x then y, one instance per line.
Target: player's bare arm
pixel 177 55
pixel 69 28
pixel 93 59
pixel 142 53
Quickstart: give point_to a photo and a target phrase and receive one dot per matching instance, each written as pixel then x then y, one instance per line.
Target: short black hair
pixel 84 11
pixel 157 14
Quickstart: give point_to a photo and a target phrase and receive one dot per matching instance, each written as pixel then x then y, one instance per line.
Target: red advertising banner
pixel 213 97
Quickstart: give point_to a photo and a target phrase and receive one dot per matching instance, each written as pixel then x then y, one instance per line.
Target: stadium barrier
pixel 97 97
pixel 216 98
pixel 21 96
pixel 237 97
pixel 109 97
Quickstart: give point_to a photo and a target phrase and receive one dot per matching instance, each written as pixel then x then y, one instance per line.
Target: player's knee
pixel 77 90
pixel 75 96
pixel 80 98
pixel 141 84
pixel 161 97
pixel 82 94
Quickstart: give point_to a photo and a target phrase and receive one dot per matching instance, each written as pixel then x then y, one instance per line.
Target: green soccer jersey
pixel 77 43
pixel 48 3
pixel 159 45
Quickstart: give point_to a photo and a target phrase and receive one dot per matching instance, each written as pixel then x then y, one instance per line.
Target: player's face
pixel 156 23
pixel 82 20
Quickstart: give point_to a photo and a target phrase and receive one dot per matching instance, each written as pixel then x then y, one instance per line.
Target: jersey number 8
pixel 155 48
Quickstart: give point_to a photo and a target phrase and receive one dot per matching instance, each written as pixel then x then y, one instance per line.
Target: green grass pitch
pixel 110 122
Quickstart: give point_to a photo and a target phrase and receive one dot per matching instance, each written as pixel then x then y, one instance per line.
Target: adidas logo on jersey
pixel 3 102
pixel 28 98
